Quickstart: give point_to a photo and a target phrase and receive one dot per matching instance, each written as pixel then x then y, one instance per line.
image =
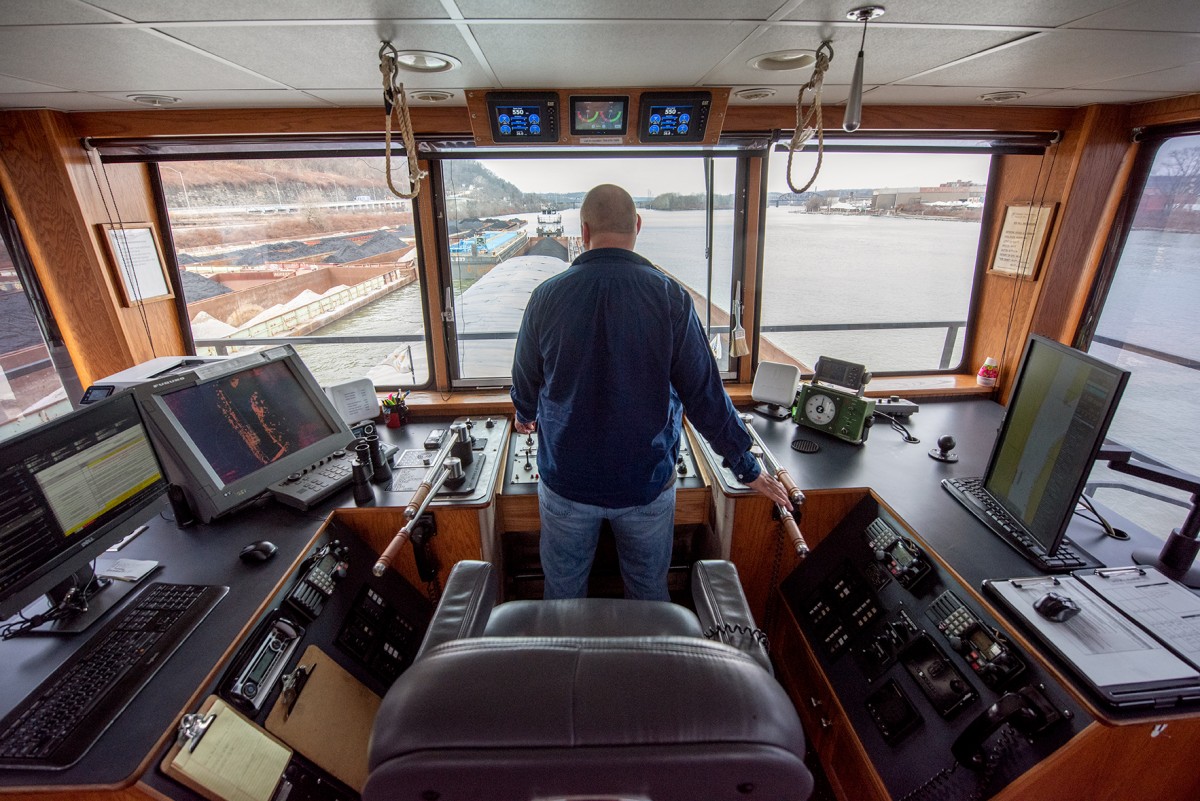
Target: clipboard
pixel 1117 658
pixel 225 757
pixel 320 697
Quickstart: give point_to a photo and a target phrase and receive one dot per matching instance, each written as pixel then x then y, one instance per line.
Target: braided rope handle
pixel 395 107
pixel 813 121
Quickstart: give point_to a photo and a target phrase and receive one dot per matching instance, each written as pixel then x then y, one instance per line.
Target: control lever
pixel 786 517
pixel 459 432
pixel 444 472
pixel 772 464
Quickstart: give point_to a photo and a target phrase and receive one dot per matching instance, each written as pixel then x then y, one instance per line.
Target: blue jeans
pixel 570 532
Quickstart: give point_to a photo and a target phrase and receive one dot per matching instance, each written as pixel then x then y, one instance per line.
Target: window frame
pixel 242 148
pixel 1025 143
pixel 742 152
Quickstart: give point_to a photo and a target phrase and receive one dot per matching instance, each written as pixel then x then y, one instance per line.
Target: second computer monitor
pixel 1062 403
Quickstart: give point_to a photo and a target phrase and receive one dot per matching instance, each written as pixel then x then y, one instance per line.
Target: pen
pixel 128 538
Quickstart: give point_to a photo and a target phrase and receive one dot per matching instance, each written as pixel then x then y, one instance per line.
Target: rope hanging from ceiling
pixel 395 111
pixel 812 122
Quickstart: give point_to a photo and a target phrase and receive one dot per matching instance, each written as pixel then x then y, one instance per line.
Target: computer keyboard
pixel 60 720
pixel 1068 557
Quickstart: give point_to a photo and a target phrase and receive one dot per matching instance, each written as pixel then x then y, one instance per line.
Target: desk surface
pixel 902 474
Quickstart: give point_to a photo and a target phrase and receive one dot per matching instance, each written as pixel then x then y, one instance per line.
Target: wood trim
pixel 917 118
pixel 41 164
pixel 1165 112
pixel 1101 146
pixel 452 120
pixel 431 281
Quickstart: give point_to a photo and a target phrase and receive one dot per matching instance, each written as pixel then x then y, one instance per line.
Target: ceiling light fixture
pixel 430 95
pixel 154 101
pixel 783 60
pixel 1001 97
pixel 759 93
pixel 853 118
pixel 425 61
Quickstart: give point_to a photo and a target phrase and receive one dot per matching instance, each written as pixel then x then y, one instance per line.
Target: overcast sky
pixel 654 176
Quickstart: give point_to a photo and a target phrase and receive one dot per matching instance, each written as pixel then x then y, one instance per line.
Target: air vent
pixel 1001 97
pixel 154 101
pixel 431 95
pixel 760 93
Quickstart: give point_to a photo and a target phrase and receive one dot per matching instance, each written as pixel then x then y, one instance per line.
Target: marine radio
pixel 833 401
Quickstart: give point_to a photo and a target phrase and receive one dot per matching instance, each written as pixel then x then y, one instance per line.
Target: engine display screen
pixel 523 117
pixel 599 115
pixel 667 121
pixel 673 117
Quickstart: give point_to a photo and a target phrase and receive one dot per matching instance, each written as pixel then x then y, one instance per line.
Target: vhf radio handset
pixel 326 567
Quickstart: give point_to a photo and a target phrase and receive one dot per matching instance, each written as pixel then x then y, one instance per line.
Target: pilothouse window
pixel 512 223
pixel 875 262
pixel 315 252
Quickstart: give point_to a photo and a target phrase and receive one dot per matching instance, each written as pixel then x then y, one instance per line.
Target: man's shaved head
pixel 608 209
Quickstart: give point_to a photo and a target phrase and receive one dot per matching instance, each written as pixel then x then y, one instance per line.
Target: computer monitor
pixel 68 490
pixel 1062 403
pixel 229 430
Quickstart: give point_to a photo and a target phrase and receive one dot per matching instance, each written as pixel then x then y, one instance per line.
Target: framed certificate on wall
pixel 1023 240
pixel 137 261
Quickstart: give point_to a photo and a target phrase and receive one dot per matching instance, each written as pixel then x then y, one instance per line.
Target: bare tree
pixel 1176 180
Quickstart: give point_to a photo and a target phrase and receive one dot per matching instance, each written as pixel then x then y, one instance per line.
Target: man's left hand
pixel 524 428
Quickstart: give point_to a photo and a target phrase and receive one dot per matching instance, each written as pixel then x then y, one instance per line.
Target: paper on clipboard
pixel 228 758
pixel 354 400
pixel 1165 608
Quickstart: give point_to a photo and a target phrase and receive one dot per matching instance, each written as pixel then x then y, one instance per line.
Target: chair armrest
pixel 465 607
pixel 723 610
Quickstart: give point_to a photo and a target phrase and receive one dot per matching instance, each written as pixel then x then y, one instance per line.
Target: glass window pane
pixel 512 223
pixel 875 262
pixel 316 252
pixel 1149 325
pixel 30 390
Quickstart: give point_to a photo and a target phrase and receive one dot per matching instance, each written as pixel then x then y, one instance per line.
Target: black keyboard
pixel 68 712
pixel 971 494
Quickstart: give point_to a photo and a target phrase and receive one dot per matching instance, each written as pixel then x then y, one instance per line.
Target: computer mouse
pixel 259 551
pixel 1059 608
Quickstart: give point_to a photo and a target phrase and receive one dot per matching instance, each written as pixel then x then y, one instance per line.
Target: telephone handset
pixel 1027 710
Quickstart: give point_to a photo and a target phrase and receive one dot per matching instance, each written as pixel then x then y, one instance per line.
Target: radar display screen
pixel 681 117
pixel 531 117
pixel 599 116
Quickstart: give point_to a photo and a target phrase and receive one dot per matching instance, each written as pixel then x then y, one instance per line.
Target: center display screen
pixel 599 116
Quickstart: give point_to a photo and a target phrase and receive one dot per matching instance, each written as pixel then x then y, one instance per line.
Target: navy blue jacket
pixel 609 355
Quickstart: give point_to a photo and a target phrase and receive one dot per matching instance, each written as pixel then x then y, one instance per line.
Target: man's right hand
pixel 766 484
pixel 524 428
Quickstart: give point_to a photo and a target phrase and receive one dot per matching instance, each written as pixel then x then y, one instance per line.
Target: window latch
pixel 448 314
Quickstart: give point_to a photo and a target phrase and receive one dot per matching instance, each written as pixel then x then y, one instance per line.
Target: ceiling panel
pixel 606 54
pixel 242 98
pixel 1185 79
pixel 48 12
pixel 619 9
pixel 1148 15
pixel 1037 13
pixel 235 10
pixel 902 95
pixel 358 98
pixel 64 101
pixel 1066 58
pixel 1086 97
pixel 890 54
pixel 113 59
pixel 9 84
pixel 332 56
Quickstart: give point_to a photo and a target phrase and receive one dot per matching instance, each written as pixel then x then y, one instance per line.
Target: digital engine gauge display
pixel 681 117
pixel 523 117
